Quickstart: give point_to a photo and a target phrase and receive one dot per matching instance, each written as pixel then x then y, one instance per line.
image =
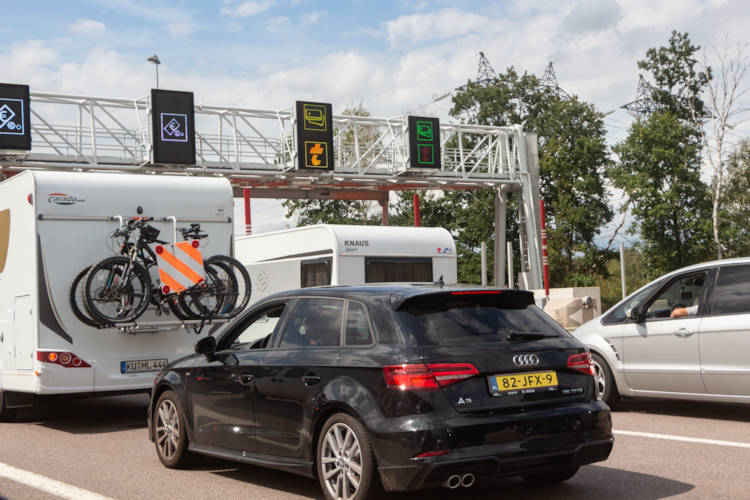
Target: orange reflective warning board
pixel 180 266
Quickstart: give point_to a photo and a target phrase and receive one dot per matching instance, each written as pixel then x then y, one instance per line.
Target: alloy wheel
pixel 167 429
pixel 341 460
pixel 600 380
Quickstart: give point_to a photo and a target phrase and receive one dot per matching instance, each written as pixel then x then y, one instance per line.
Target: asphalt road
pixel 101 445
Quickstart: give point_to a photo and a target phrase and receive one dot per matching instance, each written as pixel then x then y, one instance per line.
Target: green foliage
pixel 635 277
pixel 677 86
pixel 659 171
pixel 572 158
pixel 736 217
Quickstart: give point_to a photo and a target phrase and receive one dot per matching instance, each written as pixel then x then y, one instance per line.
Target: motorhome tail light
pixel 582 362
pixel 30 199
pixel 165 289
pixel 431 376
pixel 62 358
pixel 195 244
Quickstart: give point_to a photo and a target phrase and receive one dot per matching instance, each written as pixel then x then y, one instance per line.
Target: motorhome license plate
pixel 143 365
pixel 522 383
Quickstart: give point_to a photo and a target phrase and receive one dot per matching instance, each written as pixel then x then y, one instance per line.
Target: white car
pixel 685 335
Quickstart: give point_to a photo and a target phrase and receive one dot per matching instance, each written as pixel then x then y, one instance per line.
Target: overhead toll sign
pixel 15 126
pixel 314 135
pixel 424 142
pixel 173 126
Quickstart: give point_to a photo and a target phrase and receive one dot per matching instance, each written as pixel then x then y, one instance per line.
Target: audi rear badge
pixel 525 360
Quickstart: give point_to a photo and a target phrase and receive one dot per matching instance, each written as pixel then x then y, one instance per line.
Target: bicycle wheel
pixel 214 297
pixel 76 296
pixel 237 295
pixel 117 291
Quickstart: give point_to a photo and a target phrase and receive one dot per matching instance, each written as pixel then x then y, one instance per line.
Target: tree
pixel 573 157
pixel 677 85
pixel 315 211
pixel 659 171
pixel 736 207
pixel 725 112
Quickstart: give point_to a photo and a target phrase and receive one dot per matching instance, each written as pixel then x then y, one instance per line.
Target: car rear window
pixel 471 319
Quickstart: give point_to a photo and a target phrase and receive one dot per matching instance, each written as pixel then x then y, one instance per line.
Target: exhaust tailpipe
pixel 468 480
pixel 452 482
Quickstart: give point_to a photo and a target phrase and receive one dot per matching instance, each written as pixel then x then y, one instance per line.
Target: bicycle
pixel 119 289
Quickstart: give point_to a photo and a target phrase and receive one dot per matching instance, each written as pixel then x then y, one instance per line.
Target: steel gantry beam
pixel 257 149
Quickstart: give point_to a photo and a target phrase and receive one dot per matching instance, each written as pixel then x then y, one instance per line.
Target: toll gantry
pixel 300 152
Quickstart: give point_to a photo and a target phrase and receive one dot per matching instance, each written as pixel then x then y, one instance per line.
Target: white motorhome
pixel 53 225
pixel 328 254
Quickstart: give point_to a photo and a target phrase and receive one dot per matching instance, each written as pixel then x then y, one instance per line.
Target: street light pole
pixel 155 59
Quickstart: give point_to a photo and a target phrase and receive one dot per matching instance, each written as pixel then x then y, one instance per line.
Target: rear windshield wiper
pixel 524 336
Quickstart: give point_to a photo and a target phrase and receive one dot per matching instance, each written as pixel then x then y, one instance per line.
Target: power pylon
pixel 549 80
pixel 642 104
pixel 485 73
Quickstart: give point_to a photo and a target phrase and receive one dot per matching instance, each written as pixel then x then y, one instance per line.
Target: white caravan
pixel 53 225
pixel 328 254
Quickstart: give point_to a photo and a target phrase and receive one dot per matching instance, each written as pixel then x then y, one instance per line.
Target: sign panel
pixel 173 126
pixel 15 126
pixel 424 142
pixel 314 135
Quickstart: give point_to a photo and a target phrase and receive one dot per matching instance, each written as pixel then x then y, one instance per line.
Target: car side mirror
pixel 634 314
pixel 206 345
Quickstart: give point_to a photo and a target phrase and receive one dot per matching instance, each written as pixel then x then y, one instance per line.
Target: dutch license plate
pixel 142 365
pixel 522 383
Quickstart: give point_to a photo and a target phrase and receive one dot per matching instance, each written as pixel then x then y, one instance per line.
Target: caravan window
pixel 398 269
pixel 316 272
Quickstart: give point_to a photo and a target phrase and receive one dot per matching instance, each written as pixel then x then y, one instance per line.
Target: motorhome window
pixel 4 237
pixel 316 272
pixel 398 269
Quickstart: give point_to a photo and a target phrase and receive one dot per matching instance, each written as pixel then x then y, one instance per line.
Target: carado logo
pixel 63 199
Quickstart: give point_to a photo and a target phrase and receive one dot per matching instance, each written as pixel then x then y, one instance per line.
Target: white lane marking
pixel 669 437
pixel 48 485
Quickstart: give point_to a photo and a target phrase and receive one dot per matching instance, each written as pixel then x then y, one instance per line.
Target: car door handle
pixel 246 378
pixel 683 332
pixel 310 380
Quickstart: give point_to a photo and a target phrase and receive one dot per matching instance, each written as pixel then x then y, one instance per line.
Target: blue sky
pixel 393 56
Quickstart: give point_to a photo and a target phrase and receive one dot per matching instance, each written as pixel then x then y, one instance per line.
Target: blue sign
pixel 15 129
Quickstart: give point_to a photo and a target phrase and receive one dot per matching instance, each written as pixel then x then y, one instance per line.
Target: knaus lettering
pixel 356 243
pixel 63 199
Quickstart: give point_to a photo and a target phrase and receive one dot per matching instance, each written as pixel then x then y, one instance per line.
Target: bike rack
pixel 160 326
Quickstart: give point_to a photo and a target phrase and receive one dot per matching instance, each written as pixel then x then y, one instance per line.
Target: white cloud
pixel 183 28
pixel 247 9
pixel 446 23
pixel 87 27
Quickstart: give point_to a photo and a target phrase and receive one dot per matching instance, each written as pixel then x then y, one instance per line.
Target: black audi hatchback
pixel 406 387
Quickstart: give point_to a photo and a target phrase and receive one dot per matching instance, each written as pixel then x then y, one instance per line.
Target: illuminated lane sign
pixel 173 126
pixel 15 127
pixel 314 135
pixel 424 142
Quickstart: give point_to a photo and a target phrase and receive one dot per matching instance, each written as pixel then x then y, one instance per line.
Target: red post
pixel 248 220
pixel 417 218
pixel 545 260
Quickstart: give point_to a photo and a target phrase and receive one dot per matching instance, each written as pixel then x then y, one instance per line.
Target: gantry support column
pixel 501 203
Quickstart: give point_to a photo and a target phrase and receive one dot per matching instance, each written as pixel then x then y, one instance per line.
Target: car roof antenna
pixel 440 282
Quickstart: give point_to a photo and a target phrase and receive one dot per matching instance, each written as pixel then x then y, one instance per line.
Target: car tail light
pixel 429 376
pixel 62 358
pixel 581 362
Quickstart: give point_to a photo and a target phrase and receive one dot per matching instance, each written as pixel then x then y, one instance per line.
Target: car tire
pixel 6 414
pixel 345 459
pixel 604 381
pixel 170 434
pixel 555 476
